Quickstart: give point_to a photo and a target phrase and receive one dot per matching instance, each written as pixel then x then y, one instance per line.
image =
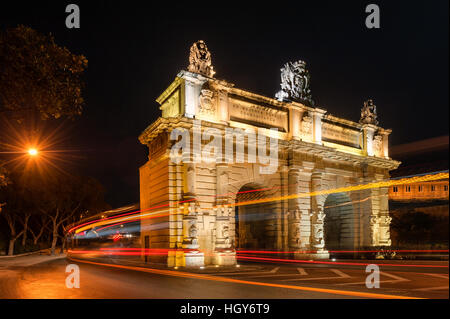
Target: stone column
pixel 192 257
pixel 224 253
pixel 299 220
pixel 317 125
pixel 295 118
pixel 176 212
pixel 317 218
pixel 294 217
pixel 385 134
pixel 317 232
pixel 368 133
pixel 192 88
pixel 374 212
pixel 385 219
pixel 223 106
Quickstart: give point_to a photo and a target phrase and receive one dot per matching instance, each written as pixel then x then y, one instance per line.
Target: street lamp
pixel 32 152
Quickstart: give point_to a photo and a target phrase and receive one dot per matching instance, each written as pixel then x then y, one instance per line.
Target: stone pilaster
pixel 293 206
pixel 223 115
pixel 192 257
pixel 317 217
pixel 224 253
pixel 189 254
pixel 385 145
pixel 380 219
pixel 192 88
pixel 295 233
pixel 295 118
pixel 317 125
pixel 368 134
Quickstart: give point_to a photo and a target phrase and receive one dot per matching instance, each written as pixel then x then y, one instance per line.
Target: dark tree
pixel 38 75
pixel 17 211
pixel 3 182
pixel 65 197
pixel 44 206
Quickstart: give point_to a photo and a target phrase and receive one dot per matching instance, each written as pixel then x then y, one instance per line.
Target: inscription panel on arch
pixel 258 115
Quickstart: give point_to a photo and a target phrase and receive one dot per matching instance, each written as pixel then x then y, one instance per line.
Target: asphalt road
pixel 251 281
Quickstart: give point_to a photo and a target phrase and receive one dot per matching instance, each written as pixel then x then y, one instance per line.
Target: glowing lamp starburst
pixel 32 151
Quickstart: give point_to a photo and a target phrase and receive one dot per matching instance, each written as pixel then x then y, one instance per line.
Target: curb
pixel 25 254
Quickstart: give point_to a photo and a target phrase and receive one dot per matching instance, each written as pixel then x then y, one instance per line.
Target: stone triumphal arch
pixel 203 211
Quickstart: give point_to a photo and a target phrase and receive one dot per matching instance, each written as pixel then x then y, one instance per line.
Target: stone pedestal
pixel 224 254
pixel 193 259
pixel 322 254
pixel 224 257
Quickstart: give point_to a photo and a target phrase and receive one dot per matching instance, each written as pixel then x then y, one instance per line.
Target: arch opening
pixel 254 223
pixel 339 222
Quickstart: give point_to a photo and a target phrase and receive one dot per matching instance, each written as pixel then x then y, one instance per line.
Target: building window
pixel 420 188
pixel 433 188
pixel 408 189
pixel 446 188
pixel 395 189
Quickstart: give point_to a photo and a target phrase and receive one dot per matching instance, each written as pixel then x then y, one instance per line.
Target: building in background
pixel 420 210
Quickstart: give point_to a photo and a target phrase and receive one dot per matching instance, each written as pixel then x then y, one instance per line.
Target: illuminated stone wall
pixel 317 151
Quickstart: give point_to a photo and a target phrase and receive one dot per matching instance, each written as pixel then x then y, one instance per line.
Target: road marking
pixel 275 275
pixel 340 273
pixel 255 283
pixel 302 271
pixel 432 288
pixel 336 271
pixel 273 271
pixel 438 275
pixel 396 279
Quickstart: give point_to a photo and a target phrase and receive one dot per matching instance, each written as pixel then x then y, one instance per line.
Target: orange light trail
pixel 410 180
pixel 246 282
pixel 121 215
pixel 302 251
pixel 334 262
pixel 157 251
pixel 415 179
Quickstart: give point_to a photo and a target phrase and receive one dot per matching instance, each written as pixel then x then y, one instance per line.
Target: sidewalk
pixel 28 260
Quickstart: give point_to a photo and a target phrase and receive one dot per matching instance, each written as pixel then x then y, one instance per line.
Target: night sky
pixel 135 51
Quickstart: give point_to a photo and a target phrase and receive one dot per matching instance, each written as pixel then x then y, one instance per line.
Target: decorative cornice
pixel 167 92
pixel 166 125
pixel 335 154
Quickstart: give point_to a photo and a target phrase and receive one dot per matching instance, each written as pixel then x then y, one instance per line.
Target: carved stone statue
pixel 374 222
pixel 369 113
pixel 200 59
pixel 226 235
pixel 190 232
pixel 306 126
pixel 317 239
pixel 193 231
pixel 295 83
pixel 377 145
pixel 206 102
pixel 295 235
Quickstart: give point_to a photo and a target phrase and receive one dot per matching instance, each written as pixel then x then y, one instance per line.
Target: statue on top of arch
pixel 200 59
pixel 295 83
pixel 369 113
